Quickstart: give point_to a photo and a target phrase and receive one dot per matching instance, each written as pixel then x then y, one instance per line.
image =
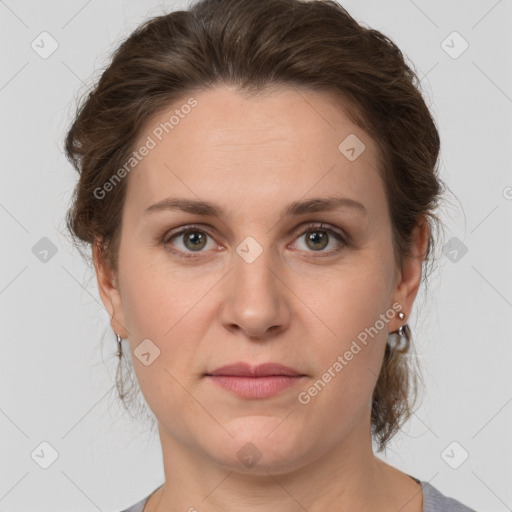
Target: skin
pixel 298 304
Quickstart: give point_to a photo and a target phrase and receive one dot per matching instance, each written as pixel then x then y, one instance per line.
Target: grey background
pixel 56 381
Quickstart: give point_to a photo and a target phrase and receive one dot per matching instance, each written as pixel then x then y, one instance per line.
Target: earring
pixel 401 315
pixel 119 347
pixel 399 341
pixel 402 344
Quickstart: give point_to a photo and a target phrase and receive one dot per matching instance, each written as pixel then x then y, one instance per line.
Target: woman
pixel 220 146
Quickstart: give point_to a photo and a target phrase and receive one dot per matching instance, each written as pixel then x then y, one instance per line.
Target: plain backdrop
pixel 57 401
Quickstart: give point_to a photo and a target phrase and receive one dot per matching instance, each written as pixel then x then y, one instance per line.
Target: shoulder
pixel 138 507
pixel 434 501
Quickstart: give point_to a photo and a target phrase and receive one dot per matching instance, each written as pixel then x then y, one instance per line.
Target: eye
pixel 318 237
pixel 194 239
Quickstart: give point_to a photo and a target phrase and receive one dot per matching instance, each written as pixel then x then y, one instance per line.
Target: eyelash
pixel 329 228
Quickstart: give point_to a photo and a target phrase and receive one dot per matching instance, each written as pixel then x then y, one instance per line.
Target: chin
pixel 260 445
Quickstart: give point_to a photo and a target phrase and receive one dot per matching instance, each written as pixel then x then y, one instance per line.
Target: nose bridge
pixel 255 297
pixel 254 263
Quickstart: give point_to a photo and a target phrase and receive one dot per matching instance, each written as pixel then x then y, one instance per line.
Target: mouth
pixel 255 382
pixel 261 370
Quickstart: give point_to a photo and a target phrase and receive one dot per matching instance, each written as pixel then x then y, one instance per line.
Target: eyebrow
pixel 205 208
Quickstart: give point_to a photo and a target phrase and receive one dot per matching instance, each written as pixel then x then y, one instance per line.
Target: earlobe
pixel 109 291
pixel 411 271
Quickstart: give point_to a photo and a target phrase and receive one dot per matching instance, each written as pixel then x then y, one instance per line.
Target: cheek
pixel 352 327
pixel 166 306
pixel 154 296
pixel 349 299
pixel 347 366
pixel 159 305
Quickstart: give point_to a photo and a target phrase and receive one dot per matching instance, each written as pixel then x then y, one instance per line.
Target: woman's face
pixel 257 284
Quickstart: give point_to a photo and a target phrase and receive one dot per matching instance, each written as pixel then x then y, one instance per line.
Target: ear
pixel 109 291
pixel 410 275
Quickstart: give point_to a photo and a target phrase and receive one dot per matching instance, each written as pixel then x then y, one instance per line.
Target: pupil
pixel 195 237
pixel 315 237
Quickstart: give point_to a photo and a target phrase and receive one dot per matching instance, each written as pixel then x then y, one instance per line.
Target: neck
pixel 349 477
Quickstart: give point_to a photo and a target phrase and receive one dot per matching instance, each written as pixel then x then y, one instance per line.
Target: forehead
pixel 244 151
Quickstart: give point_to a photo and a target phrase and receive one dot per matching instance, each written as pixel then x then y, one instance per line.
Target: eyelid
pixel 183 229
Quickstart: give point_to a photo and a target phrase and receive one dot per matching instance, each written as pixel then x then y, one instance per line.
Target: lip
pixel 261 381
pixel 261 370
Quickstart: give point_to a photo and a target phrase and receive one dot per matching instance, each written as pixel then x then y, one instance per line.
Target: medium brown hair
pixel 255 45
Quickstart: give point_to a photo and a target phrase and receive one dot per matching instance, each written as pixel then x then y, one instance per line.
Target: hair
pixel 255 45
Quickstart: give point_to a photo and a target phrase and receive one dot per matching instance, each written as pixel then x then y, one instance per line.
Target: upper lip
pixel 261 370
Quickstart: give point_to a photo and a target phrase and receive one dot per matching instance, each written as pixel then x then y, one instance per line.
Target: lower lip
pixel 255 387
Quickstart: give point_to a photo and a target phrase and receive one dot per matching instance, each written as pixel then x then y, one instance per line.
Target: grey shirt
pixel 433 501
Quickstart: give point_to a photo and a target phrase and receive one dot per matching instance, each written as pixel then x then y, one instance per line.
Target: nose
pixel 257 298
